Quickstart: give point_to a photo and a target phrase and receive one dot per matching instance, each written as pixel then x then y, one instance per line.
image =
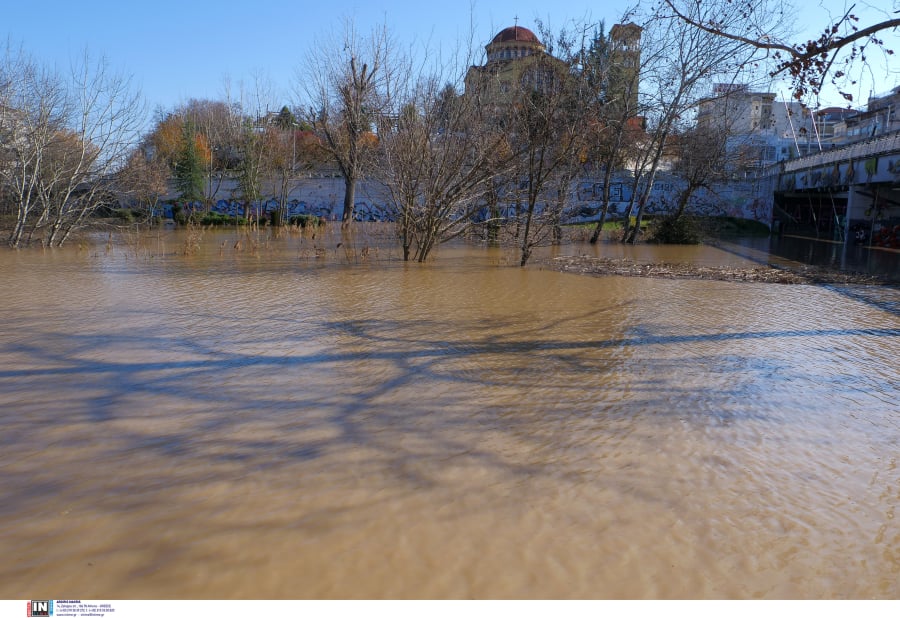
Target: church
pixel 517 59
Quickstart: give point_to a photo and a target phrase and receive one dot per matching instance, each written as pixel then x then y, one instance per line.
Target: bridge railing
pixel 873 147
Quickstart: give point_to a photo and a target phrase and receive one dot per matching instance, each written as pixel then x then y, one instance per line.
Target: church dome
pixel 511 43
pixel 516 34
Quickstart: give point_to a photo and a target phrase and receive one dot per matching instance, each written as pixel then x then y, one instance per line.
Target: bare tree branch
pixel 809 64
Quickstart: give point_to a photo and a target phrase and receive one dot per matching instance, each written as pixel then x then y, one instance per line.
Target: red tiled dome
pixel 516 33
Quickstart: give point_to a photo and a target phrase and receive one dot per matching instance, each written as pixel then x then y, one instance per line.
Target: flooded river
pixel 254 421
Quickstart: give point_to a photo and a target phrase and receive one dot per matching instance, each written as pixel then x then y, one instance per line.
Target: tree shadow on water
pixel 400 397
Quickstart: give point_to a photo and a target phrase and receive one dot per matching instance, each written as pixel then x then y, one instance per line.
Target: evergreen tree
pixel 286 119
pixel 189 172
pixel 596 61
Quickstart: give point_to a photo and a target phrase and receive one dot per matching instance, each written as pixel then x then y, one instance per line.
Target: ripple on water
pixel 452 430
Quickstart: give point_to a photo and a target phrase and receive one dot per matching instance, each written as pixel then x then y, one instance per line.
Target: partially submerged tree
pixel 701 155
pixel 292 150
pixel 252 167
pixel 682 62
pixel 280 153
pixel 701 159
pixel 346 85
pixel 438 163
pixel 616 130
pixel 64 136
pixel 546 136
pixel 33 108
pixel 555 102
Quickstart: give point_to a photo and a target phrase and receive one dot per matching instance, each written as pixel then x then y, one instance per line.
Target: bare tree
pixel 68 134
pixel 640 163
pixel 253 166
pixel 253 146
pixel 682 60
pixel 144 180
pixel 702 158
pixel 292 151
pixel 345 84
pixel 280 155
pixel 547 121
pixel 438 163
pixel 617 128
pixel 34 108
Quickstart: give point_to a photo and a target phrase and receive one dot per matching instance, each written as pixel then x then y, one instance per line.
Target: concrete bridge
pixel 849 194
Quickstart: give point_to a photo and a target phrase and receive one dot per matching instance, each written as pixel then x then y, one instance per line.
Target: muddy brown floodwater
pixel 262 423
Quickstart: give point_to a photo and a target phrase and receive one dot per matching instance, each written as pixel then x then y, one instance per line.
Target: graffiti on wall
pixel 321 199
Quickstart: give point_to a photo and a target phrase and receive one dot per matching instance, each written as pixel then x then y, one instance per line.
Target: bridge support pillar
pixel 857 225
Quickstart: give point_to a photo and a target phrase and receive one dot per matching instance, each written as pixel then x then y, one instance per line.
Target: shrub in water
pixel 676 231
pixel 215 218
pixel 178 215
pixel 124 214
pixel 306 221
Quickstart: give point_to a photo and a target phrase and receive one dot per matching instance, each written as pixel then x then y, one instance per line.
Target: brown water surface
pixel 262 423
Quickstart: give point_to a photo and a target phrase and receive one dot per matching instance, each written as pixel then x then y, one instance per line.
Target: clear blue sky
pixel 181 49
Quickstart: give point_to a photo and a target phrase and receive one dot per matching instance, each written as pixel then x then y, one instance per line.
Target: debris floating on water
pixel 797 275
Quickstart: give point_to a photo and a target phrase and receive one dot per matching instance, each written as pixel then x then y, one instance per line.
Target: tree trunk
pixel 607 177
pixel 405 237
pixel 54 231
pixel 595 236
pixel 493 223
pixel 16 237
pixel 518 217
pixel 285 190
pixel 637 221
pixel 634 191
pixel 645 194
pixel 556 217
pixel 526 254
pixel 683 201
pixel 349 201
pixel 42 220
pixel 526 245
